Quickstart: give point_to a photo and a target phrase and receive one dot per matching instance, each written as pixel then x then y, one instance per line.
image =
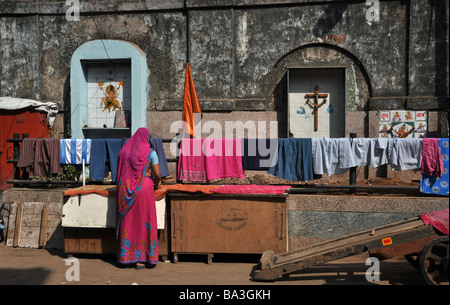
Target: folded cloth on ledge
pixel 251 189
pixel 111 190
pixel 438 219
pixel 191 188
pixel 106 190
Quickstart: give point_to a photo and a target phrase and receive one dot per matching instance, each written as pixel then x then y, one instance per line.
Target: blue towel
pixel 158 146
pixel 294 160
pixel 101 150
pixel 73 151
pixel 438 185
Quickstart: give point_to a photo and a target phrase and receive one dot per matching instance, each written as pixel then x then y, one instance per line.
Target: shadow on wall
pixel 329 19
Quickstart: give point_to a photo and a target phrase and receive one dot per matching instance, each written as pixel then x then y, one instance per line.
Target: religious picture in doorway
pixel 109 101
pixel 402 124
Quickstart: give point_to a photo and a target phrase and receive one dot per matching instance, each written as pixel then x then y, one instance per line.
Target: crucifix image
pixel 315 104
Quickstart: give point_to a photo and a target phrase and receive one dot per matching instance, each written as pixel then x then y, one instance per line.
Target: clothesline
pixel 294 159
pixel 305 159
pixel 44 157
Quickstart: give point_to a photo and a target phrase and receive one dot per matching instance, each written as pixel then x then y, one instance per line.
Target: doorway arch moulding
pixel 108 51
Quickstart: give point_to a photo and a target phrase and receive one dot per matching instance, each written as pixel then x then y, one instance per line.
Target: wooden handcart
pixel 424 247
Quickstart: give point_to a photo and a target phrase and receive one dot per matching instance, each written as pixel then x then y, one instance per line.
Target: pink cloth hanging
pixel 223 158
pixel 432 163
pixel 191 162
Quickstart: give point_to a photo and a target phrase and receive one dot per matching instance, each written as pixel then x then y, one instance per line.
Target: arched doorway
pixel 108 80
pixel 337 73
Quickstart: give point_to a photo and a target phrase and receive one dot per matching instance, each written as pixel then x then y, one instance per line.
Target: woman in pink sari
pixel 137 231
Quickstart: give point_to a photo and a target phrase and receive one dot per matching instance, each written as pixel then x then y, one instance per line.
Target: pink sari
pixel 137 231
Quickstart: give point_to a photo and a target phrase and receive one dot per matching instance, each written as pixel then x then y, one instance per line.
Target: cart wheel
pixel 413 259
pixel 433 261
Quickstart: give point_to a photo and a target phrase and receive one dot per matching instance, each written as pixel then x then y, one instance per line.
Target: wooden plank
pixel 17 225
pixel 43 235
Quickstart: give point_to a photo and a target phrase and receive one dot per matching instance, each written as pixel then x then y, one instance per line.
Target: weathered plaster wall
pixel 239 51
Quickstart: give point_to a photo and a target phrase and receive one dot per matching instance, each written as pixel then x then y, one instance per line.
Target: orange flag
pixel 190 102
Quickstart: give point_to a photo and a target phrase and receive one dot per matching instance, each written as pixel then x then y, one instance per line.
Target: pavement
pixel 24 266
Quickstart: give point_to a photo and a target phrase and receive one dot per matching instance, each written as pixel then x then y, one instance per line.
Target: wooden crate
pixel 210 224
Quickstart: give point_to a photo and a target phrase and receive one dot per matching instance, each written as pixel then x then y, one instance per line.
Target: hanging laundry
pixel 74 151
pixel 191 161
pixel 371 152
pixel 332 156
pixel 157 145
pixel 202 160
pixel 40 157
pixel 102 150
pixel 294 160
pixel 223 158
pixel 258 154
pixel 438 185
pixel 405 153
pixel 431 157
pixel 26 156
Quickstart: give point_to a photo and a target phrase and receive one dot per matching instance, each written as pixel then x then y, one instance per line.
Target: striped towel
pixel 74 151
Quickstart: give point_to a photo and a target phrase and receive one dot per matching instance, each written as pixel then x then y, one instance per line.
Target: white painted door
pixel 107 82
pixel 331 115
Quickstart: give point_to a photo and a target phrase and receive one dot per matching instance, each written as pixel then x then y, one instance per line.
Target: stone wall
pixel 239 51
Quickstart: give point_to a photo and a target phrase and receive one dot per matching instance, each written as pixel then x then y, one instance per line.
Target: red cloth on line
pixel 438 219
pixel 251 189
pixel 432 163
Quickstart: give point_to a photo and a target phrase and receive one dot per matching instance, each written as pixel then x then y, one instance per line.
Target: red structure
pixel 16 125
